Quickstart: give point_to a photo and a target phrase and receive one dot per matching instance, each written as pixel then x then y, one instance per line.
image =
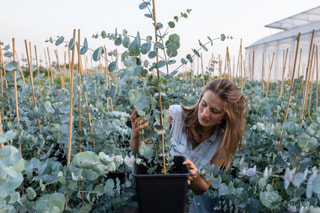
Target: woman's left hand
pixel 193 170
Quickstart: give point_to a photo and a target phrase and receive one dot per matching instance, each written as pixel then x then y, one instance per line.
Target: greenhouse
pixel 260 54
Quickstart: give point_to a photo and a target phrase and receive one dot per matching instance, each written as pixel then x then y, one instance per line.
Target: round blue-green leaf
pixel 72 43
pixel 51 203
pixel 146 151
pixel 268 199
pixel 223 37
pixel 152 54
pixel 196 52
pixel 84 47
pixel 126 42
pixel 48 107
pixel 134 47
pixel 148 15
pixel 108 188
pixel 183 61
pixel 143 5
pixel 159 26
pixel 103 34
pixel 161 64
pixel 98 53
pixel 216 183
pixel 31 193
pixel 189 57
pixel 316 184
pixel 172 51
pixel 13 65
pixel 118 41
pixel 171 24
pixel 6 47
pixel 8 54
pixel 112 66
pixel 59 40
pixel 136 96
pixel 145 48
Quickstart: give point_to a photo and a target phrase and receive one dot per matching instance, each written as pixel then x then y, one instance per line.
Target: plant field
pixel 65 133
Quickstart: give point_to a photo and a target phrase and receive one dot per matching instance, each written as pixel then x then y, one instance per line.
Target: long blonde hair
pixel 235 107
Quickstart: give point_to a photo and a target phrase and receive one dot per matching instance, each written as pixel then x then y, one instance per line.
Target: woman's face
pixel 210 111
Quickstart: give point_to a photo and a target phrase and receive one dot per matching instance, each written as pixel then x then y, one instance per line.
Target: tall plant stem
pixel 71 102
pixel 202 70
pixel 29 58
pixel 160 101
pixel 270 69
pixel 38 70
pixel 1 82
pixel 317 78
pixel 285 56
pixel 313 68
pixel 107 70
pixel 15 86
pixel 291 88
pixel 85 93
pixel 306 87
pixel 50 66
pixel 20 69
pixel 60 72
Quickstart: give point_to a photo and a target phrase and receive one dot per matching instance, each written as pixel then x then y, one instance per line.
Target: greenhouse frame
pixel 271 55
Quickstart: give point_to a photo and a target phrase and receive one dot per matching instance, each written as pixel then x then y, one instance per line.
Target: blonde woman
pixel 209 132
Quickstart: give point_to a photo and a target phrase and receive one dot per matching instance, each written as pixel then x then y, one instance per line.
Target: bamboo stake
pixel 20 69
pixel 15 87
pixel 317 78
pixel 305 94
pixel 106 69
pixel 38 70
pixel 65 64
pixel 1 82
pixel 47 66
pixel 270 68
pixel 285 56
pixel 262 74
pixel 311 87
pixel 60 72
pixel 30 72
pixel 291 88
pixel 50 67
pixel 158 74
pixel 71 103
pixel 203 78
pixel 31 77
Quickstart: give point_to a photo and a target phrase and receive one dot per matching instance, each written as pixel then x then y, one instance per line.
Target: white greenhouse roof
pixel 300 19
pixel 288 34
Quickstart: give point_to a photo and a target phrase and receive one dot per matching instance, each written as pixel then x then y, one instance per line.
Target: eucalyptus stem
pixel 158 74
pixel 38 70
pixel 291 88
pixel 60 72
pixel 15 87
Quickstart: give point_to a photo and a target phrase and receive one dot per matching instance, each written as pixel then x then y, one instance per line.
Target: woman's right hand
pixel 136 131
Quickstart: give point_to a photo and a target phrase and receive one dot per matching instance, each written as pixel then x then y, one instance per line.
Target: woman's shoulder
pixel 175 110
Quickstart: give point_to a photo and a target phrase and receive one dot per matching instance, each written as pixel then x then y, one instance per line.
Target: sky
pixel 37 20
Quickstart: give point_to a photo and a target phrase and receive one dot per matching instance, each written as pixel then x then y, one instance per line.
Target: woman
pixel 208 132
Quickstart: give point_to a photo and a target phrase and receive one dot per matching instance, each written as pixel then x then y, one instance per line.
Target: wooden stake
pixel 306 88
pixel 60 72
pixel 106 70
pixel 160 99
pixel 38 70
pixel 317 78
pixel 50 66
pixel 291 88
pixel 20 69
pixel 71 103
pixel 270 68
pixel 285 56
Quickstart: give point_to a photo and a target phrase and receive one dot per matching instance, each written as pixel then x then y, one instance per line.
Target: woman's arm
pixel 197 183
pixel 136 131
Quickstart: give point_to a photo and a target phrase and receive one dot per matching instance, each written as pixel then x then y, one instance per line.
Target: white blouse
pixel 181 145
